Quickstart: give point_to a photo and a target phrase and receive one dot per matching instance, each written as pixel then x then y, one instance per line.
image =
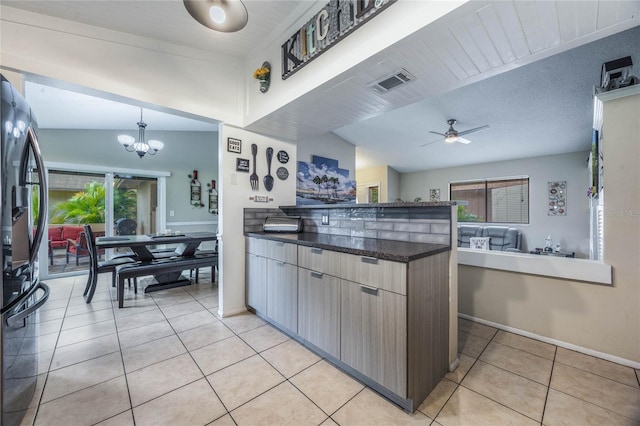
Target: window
pixel 503 200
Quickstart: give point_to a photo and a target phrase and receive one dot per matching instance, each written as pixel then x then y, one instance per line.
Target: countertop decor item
pixel 219 15
pixel 141 146
pixel 263 75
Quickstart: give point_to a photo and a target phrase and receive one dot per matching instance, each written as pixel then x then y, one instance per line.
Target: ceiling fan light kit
pixel 453 136
pixel 226 16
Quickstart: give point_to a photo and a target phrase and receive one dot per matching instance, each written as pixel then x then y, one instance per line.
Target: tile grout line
pixel 124 369
pixel 546 398
pixel 204 376
pixel 491 399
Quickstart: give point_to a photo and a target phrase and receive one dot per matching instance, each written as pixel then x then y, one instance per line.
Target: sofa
pixel 71 238
pixel 59 236
pixel 501 238
pixel 78 247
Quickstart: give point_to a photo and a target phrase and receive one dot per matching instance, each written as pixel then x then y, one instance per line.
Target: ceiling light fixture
pixel 141 146
pixel 220 15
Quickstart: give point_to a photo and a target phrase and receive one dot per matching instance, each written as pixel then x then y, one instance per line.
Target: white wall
pixel 571 231
pixel 393 185
pixel 150 71
pixel 101 148
pixel 330 146
pixel 235 191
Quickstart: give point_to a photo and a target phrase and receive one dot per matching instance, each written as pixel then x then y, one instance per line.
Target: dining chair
pixel 213 252
pixel 96 267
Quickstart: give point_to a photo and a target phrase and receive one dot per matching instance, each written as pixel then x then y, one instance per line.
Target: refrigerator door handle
pixel 42 194
pixel 16 319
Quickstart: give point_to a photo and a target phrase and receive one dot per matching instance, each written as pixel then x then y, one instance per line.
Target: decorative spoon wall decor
pixel 268 179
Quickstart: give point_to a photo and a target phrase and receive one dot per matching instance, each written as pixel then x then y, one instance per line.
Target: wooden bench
pixel 159 267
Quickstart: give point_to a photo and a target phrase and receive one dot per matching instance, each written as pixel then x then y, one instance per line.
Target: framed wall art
pixel 234 145
pixel 557 192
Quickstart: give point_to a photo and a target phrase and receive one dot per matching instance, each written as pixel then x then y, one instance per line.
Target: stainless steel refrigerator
pixel 23 216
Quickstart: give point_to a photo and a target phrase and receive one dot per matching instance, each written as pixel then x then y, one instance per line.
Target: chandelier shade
pixel 140 146
pixel 227 16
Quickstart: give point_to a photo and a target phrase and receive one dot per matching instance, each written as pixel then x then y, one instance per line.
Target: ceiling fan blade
pixel 436 133
pixel 475 129
pixel 430 143
pixel 463 140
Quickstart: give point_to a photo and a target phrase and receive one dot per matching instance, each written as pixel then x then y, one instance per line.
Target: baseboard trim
pixel 226 314
pixel 570 346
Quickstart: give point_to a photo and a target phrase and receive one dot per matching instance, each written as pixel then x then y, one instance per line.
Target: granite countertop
pixel 398 251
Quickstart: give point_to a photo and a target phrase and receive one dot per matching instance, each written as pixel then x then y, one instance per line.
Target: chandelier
pixel 220 15
pixel 141 146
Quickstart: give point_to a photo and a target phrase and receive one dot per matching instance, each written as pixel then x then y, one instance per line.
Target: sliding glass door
pixel 75 199
pixel 135 202
pixel 113 204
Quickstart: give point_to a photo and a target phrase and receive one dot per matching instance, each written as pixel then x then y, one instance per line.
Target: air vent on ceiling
pixel 392 81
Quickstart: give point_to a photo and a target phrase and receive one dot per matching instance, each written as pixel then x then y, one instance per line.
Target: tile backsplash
pixel 421 223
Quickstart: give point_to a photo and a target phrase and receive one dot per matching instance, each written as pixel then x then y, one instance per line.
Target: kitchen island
pixel 378 309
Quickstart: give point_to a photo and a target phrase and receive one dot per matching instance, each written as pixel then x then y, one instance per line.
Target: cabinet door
pixel 256 267
pixel 319 310
pixel 374 334
pixel 282 294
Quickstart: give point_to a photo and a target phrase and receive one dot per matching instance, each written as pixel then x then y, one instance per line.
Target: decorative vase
pixel 265 82
pixel 264 85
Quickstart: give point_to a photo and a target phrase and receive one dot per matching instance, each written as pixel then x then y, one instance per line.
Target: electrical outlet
pixel 325 219
pixel 172 213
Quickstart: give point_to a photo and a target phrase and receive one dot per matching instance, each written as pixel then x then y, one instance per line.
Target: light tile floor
pixel 166 358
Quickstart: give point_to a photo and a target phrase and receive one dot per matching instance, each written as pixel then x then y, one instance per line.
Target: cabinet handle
pixel 316 274
pixel 316 251
pixel 279 243
pixel 279 263
pixel 369 289
pixel 367 259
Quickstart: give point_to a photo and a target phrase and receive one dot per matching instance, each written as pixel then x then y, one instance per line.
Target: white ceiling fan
pixel 453 136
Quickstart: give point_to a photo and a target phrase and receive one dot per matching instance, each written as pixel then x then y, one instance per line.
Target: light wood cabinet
pixel 283 252
pixel 319 310
pixel 385 322
pixel 282 294
pixel 374 334
pixel 319 260
pixel 256 282
pixel 379 273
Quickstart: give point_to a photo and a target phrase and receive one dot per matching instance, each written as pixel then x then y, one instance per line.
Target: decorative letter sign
pixel 330 25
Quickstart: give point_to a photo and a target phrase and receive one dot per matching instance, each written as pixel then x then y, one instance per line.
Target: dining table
pixel 143 245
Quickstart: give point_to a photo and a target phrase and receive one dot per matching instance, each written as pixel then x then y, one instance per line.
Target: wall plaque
pixel 242 165
pixel 332 23
pixel 234 145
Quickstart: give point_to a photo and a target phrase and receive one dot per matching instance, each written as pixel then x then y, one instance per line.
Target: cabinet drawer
pixel 256 246
pixel 283 252
pixel 319 260
pixel 384 274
